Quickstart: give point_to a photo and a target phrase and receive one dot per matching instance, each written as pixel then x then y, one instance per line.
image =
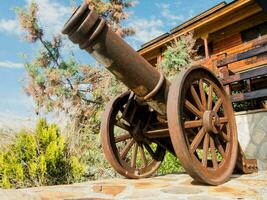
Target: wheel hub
pixel 137 133
pixel 211 121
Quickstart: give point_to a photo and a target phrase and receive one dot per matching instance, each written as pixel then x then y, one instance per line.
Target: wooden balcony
pixel 246 63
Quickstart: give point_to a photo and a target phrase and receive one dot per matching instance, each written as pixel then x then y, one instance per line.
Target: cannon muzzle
pixel 92 33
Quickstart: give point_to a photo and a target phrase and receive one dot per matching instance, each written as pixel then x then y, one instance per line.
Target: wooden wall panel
pixel 227 43
pixel 247 64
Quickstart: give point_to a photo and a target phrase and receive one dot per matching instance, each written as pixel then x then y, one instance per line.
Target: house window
pixel 254 32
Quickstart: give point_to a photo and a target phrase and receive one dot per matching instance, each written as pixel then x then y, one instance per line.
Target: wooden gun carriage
pixel 192 117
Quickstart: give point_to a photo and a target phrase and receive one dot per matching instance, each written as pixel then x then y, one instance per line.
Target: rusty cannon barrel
pixel 92 33
pixel 192 118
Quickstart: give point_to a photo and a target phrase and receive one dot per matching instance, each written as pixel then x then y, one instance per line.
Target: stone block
pixel 258 136
pixel 252 135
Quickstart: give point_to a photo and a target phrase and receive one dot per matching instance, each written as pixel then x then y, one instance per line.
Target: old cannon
pixel 192 117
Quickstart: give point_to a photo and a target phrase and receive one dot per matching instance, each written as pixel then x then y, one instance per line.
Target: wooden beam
pixel 198 17
pixel 206 46
pixel 261 71
pixel 159 59
pixel 222 12
pixel 160 133
pixel 249 95
pixel 229 19
pixel 241 56
pixel 263 4
pixel 239 26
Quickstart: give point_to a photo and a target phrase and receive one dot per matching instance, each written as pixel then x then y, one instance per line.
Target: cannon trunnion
pixel 192 117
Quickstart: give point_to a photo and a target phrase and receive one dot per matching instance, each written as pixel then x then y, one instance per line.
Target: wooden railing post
pixel 206 45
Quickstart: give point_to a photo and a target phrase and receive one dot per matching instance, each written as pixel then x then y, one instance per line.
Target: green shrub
pixel 170 165
pixel 39 158
pixel 179 54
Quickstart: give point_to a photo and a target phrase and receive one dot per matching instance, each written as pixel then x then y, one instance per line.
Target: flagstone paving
pixel 171 186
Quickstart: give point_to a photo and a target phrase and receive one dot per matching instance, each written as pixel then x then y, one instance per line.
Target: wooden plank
pixel 160 133
pixel 222 12
pixel 198 17
pixel 263 4
pixel 237 27
pixel 229 19
pixel 244 46
pixel 241 56
pixel 248 64
pixel 227 43
pixel 249 95
pixel 245 75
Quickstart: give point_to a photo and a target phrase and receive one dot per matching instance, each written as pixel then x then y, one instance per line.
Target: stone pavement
pixel 172 186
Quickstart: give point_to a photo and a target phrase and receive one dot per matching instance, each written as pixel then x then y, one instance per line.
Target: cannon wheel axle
pixel 202 126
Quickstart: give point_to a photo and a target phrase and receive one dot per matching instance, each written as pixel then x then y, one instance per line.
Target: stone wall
pixel 252 135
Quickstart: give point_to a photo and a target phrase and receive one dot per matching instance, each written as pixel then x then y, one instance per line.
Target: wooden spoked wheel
pixel 202 126
pixel 132 157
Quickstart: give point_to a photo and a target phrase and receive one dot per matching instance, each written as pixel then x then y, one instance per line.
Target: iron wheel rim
pixel 185 149
pixel 113 153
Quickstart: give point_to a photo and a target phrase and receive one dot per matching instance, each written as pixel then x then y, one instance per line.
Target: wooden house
pixel 232 42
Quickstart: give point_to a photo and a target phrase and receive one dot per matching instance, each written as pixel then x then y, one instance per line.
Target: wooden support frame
pixel 249 95
pixel 242 56
pixel 226 79
pixel 206 45
pixel 261 71
pixel 263 4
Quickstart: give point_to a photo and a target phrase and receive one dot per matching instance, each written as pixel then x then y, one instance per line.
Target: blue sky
pixel 150 18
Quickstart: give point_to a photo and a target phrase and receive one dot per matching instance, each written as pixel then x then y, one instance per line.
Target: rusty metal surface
pixel 134 136
pixel 245 165
pixel 124 146
pixel 91 32
pixel 202 126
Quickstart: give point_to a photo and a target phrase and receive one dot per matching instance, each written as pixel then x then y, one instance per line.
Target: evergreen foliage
pixel 179 54
pixel 39 158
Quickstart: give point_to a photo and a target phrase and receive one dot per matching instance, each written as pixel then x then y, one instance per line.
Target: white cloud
pixel 177 3
pixel 146 29
pixel 10 26
pixel 9 64
pixel 165 12
pixel 51 15
pixel 136 2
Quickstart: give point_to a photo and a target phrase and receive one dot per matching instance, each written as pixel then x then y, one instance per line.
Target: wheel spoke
pixel 217 105
pixel 122 125
pixel 127 148
pixel 205 150
pixel 223 134
pixel 134 155
pixel 122 137
pixel 193 124
pixel 197 140
pixel 196 98
pixel 150 151
pixel 143 156
pixel 202 93
pixel 213 153
pixel 220 147
pixel 223 120
pixel 226 136
pixel 193 109
pixel 210 97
